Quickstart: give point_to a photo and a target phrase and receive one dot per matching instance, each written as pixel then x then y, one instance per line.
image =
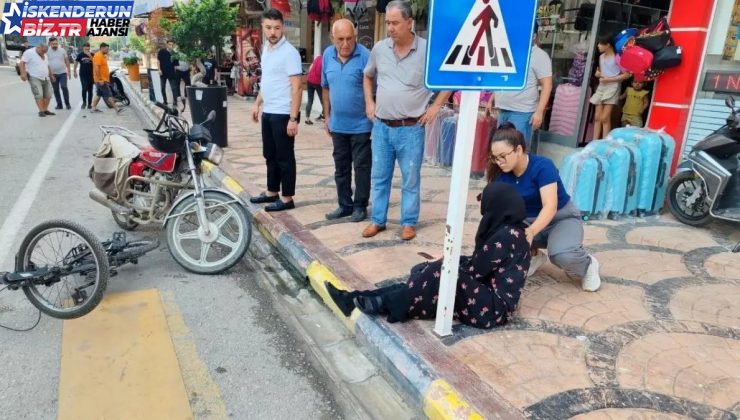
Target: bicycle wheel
pixel 81 262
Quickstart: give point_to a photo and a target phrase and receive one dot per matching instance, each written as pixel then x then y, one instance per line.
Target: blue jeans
pixel 405 144
pixel 521 121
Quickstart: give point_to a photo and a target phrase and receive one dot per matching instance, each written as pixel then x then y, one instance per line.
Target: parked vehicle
pixel 706 185
pixel 119 94
pixel 208 229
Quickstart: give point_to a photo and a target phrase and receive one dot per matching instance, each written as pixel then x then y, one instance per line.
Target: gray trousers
pixel 563 239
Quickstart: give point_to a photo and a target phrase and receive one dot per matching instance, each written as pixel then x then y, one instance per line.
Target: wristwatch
pixel 293 119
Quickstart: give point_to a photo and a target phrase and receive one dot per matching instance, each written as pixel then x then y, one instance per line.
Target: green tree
pixel 200 25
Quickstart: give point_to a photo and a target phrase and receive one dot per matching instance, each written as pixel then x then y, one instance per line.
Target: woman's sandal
pixel 341 298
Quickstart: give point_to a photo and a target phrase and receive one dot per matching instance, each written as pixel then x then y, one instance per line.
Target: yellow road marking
pixel 443 402
pixel 317 274
pixel 198 382
pixel 119 362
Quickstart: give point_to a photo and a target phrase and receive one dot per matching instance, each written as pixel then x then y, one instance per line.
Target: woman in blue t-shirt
pixel 554 222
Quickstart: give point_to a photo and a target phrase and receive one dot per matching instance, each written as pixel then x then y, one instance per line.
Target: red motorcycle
pixel 158 180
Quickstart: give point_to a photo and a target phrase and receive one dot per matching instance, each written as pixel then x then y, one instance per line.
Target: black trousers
pixel 174 87
pixel 87 90
pixel 311 89
pixel 278 149
pixel 60 81
pixel 349 150
pixel 183 76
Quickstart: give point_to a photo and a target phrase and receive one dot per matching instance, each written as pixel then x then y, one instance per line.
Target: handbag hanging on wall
pixel 669 57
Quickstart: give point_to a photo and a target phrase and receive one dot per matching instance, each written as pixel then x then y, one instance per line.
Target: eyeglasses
pixel 501 158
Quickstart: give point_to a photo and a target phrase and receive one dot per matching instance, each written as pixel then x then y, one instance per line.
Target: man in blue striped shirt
pixel 347 122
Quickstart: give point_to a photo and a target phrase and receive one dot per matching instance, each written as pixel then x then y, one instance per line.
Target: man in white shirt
pixel 35 69
pixel 281 94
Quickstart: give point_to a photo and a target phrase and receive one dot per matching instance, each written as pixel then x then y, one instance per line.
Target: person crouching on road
pixel 35 69
pixel 489 282
pixel 281 95
pixel 554 221
pixel 347 122
pixel 397 64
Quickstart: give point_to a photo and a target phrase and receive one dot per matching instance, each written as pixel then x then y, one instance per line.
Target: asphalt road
pixel 238 342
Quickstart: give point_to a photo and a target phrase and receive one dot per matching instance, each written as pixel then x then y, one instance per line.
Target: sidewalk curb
pixel 417 380
pixel 415 377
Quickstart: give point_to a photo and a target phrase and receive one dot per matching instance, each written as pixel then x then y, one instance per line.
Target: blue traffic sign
pixel 479 44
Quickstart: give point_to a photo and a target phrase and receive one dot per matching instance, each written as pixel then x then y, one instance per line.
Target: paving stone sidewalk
pixel 660 340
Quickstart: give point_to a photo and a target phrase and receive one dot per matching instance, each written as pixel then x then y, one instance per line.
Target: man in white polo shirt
pixel 281 93
pixel 35 69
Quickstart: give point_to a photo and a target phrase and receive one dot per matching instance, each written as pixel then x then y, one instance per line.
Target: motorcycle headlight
pixel 215 153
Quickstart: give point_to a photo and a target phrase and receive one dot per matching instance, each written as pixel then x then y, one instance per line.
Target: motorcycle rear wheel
pixel 681 187
pixel 234 234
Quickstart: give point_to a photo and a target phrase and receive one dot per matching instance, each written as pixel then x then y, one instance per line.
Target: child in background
pixel 635 105
pixel 607 95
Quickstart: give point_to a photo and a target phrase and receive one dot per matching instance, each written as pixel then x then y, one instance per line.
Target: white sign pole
pixel 456 210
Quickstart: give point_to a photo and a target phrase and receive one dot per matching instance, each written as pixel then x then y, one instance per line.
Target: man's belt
pixel 400 123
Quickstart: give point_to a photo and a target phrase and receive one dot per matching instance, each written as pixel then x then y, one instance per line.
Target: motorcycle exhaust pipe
pixel 100 197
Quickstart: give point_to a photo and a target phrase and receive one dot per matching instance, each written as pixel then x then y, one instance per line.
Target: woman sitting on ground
pixel 554 221
pixel 489 283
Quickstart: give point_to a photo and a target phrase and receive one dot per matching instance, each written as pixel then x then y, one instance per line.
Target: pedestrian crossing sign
pixel 479 44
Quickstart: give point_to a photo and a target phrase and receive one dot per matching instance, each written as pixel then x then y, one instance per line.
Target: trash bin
pixel 203 100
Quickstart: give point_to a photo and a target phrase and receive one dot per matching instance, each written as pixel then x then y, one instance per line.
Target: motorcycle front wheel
pixel 230 233
pixel 680 189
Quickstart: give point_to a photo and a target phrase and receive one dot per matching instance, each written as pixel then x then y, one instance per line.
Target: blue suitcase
pixel 447 141
pixel 584 176
pixel 656 150
pixel 625 164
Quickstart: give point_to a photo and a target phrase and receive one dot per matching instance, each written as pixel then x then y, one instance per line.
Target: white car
pixel 14 58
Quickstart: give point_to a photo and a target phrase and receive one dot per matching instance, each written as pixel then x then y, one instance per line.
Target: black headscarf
pixel 500 205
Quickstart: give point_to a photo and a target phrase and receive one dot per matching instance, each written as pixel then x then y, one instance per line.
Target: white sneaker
pixel 592 280
pixel 536 262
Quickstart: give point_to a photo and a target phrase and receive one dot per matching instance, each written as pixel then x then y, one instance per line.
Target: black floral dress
pixel 488 287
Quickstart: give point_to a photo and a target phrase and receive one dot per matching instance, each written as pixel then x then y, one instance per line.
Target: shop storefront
pixel 568 32
pixel 687 101
pixel 719 76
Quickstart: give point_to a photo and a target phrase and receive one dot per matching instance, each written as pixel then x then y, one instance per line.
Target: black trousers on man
pixel 352 149
pixel 174 87
pixel 60 83
pixel 278 149
pixel 87 90
pixel 183 76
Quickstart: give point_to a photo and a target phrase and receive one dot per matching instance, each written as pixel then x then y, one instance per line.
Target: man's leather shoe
pixel 408 233
pixel 338 214
pixel 264 198
pixel 359 215
pixel 280 205
pixel 372 230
